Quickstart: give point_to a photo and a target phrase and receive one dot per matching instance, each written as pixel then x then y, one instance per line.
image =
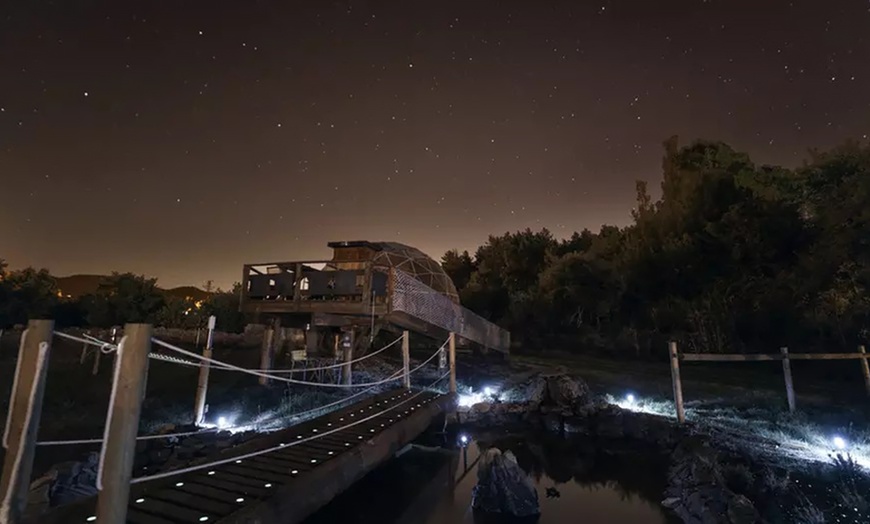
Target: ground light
pixel 839 442
pixel 463 439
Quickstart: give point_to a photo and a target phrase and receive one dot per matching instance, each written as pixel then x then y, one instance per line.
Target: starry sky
pixel 182 139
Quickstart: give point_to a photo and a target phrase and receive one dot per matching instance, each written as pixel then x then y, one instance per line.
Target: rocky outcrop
pixel 697 490
pixel 503 488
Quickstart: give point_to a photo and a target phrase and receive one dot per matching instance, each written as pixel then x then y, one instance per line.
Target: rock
pixel 563 390
pixel 671 502
pixel 576 426
pixel 481 407
pixel 553 422
pixel 39 496
pixel 742 511
pixel 503 488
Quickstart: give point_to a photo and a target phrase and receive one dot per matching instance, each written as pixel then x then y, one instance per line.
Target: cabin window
pixel 360 280
pixel 271 283
pixel 303 284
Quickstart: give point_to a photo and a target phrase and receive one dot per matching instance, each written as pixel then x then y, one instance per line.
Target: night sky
pixel 181 139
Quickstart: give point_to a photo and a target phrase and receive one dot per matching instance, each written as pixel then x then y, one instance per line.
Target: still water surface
pixel 593 487
pixel 577 482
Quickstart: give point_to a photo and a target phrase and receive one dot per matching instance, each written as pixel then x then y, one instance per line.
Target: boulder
pixel 563 390
pixel 503 488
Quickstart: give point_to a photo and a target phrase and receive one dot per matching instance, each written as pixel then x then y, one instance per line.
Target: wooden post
pixel 266 354
pixel 22 422
pixel 84 353
pixel 122 424
pixel 347 349
pixel 865 367
pixel 452 357
pixel 789 386
pixel 202 385
pixel 406 359
pixel 677 383
pixel 98 352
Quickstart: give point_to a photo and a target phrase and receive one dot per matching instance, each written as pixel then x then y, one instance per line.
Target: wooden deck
pixel 285 485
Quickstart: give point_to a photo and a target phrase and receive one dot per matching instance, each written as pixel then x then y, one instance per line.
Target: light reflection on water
pixel 592 488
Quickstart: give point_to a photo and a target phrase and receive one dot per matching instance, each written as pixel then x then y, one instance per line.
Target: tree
pixel 122 298
pixel 27 293
pixel 224 305
pixel 459 267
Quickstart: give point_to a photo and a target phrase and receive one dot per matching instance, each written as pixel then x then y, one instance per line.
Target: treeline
pixel 120 298
pixel 733 257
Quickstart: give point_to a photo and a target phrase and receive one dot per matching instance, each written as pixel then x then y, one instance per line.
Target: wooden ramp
pixel 288 484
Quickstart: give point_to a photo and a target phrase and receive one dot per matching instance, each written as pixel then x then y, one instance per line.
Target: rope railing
pixel 199 467
pixel 227 366
pixel 333 366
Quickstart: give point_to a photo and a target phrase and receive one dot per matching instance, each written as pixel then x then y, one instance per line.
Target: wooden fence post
pixel 406 359
pixel 202 385
pixel 266 354
pixel 865 367
pixel 452 357
pixel 122 424
pixel 22 422
pixel 677 383
pixel 789 385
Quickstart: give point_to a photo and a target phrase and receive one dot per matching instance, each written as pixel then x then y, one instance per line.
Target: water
pixel 576 482
pixel 591 485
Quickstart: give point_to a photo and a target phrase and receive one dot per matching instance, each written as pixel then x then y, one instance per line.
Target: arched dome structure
pixel 409 260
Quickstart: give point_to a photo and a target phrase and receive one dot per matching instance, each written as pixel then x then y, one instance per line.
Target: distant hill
pixel 79 285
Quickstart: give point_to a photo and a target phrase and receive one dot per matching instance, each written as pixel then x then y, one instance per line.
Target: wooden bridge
pixel 285 485
pixel 280 477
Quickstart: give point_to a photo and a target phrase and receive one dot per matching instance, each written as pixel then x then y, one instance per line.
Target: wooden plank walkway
pixel 285 485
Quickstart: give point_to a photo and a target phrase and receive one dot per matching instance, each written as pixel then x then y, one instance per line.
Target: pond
pixel 576 481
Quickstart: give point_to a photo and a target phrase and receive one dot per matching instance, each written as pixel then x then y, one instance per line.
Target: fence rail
pixel 783 356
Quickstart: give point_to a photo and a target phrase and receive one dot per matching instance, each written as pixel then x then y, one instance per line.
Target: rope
pixel 6 506
pixel 198 467
pixel 391 344
pixel 269 376
pixel 143 437
pixel 105 347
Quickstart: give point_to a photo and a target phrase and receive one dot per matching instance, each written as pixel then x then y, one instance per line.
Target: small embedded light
pixel 240 500
pixel 298 436
pixel 330 453
pixel 329 424
pixel 314 461
pixel 283 444
pixel 839 442
pixel 294 472
pixel 347 444
pixel 238 462
pixel 203 518
pixel 140 501
pixel 179 484
pixel 267 485
pixel 314 430
pixel 463 439
pixel 372 430
pixel 341 419
pixel 360 437
pixel 211 472
pixel 91 518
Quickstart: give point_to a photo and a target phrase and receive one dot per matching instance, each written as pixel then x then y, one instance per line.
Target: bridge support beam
pixel 266 353
pixel 347 353
pixel 25 408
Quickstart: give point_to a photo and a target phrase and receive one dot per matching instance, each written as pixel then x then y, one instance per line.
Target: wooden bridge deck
pixel 286 485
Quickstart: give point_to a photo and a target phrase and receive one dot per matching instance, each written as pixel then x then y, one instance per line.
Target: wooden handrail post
pixel 122 424
pixel 202 384
pixel 406 359
pixel 865 368
pixel 789 385
pixel 347 341
pixel 22 423
pixel 676 382
pixel 452 358
pixel 266 354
